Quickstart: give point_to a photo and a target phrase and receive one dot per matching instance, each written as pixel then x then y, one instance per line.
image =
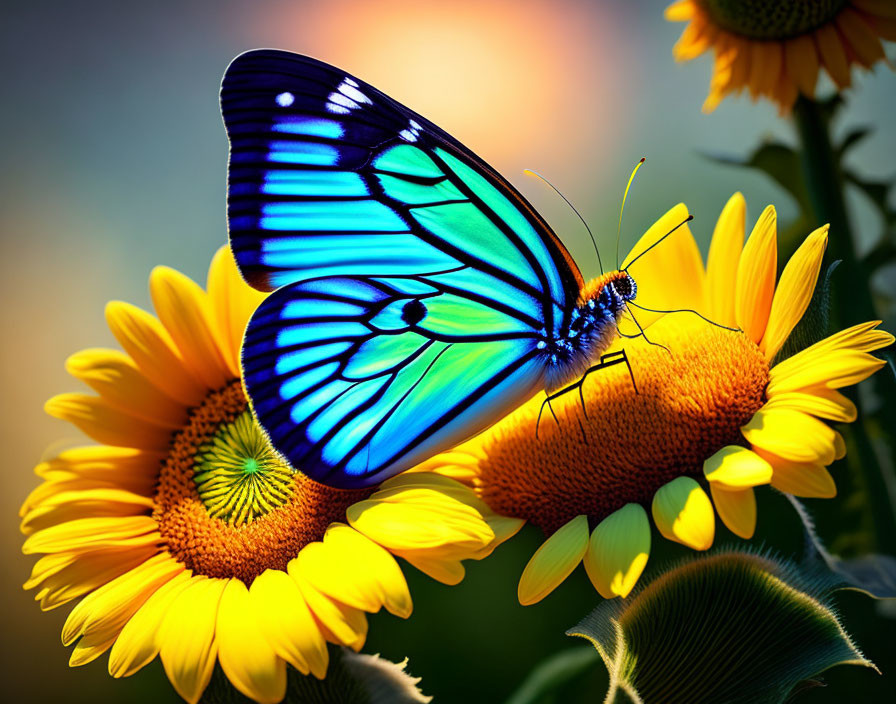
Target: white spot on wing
pixel 412 132
pixel 346 97
pixel 353 93
pixel 284 100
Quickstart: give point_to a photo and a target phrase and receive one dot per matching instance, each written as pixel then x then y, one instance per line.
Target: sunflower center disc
pixel 626 445
pixel 227 505
pixel 771 19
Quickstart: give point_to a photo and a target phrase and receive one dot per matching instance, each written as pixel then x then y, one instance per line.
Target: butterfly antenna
pixel 530 172
pixel 683 222
pixel 622 207
pixel 683 310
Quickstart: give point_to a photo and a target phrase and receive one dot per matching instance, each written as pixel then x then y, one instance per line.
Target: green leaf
pixel 878 194
pixel 852 138
pixel 352 678
pixel 545 682
pixel 734 627
pixel 874 575
pixel 815 323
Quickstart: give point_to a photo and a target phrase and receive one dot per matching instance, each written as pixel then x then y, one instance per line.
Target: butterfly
pixel 417 296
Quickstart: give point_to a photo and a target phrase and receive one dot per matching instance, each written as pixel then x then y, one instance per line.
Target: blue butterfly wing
pixel 357 391
pixel 333 183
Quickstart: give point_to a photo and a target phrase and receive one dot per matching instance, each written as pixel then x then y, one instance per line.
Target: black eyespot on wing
pixel 413 312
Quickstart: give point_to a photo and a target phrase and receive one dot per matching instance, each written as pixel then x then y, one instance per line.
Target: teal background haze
pixel 114 160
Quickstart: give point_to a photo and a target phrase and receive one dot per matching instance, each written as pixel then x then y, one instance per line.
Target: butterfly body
pixel 417 297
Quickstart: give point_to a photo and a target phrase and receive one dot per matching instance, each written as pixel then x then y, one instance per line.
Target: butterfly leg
pixel 547 402
pixel 642 334
pixel 607 360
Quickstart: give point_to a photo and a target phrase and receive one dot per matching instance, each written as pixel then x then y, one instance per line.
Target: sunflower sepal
pixel 352 678
pixel 777 602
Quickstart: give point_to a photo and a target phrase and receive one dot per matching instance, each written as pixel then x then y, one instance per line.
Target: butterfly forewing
pixel 356 208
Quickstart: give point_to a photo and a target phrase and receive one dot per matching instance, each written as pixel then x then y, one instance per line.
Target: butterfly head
pixel 608 294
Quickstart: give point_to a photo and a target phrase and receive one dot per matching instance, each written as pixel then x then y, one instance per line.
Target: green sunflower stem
pixel 851 299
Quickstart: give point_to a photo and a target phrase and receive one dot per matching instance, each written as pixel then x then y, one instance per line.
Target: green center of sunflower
pixel 238 475
pixel 772 19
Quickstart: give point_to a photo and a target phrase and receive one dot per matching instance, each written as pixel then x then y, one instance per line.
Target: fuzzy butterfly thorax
pixel 591 330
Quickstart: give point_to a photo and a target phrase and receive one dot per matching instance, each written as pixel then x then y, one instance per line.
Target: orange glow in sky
pixel 521 83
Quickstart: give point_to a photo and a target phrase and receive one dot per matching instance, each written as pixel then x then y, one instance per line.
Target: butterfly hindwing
pixel 355 376
pixel 331 180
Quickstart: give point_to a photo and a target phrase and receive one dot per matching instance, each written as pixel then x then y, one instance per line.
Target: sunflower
pixel 712 410
pixel 775 48
pixel 186 534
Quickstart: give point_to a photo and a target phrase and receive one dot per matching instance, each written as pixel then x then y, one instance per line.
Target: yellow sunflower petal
pixel 721 80
pixel 839 446
pixel 184 310
pixel 395 489
pixel 618 551
pixel 794 291
pixel 127 467
pixel 683 513
pixel 737 509
pixel 343 624
pixel 835 370
pixel 89 648
pixel 186 637
pixel 861 38
pixel 767 64
pixel 353 569
pixel 735 468
pixel 885 27
pixel 801 62
pixel 246 656
pixel 86 534
pixel 833 55
pixel 120 383
pixel 136 645
pixel 504 529
pixel 446 571
pixel 108 608
pixel 806 479
pixel 680 11
pixel 84 503
pixel 107 424
pixel 755 286
pixel 859 338
pixel 287 622
pixel 415 518
pixel 147 342
pixel 233 301
pixel 76 574
pixel 671 275
pixel 554 561
pixel 724 256
pixel 882 8
pixel 819 402
pixel 697 37
pixel 792 435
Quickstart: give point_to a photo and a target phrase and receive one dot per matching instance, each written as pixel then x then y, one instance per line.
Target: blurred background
pixel 114 160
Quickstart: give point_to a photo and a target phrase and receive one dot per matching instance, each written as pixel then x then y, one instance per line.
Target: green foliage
pixel 730 628
pixel 545 684
pixel 784 165
pixel 874 575
pixel 352 678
